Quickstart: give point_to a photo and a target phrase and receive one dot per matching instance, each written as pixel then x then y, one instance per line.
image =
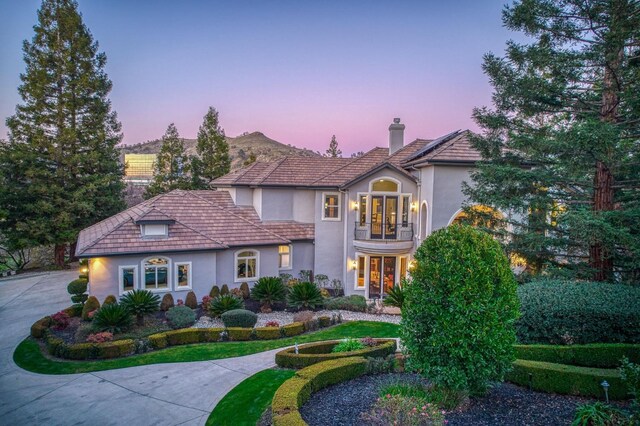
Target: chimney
pixel 396 136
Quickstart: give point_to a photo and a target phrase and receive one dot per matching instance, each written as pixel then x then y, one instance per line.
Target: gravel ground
pixel 284 318
pixel 506 404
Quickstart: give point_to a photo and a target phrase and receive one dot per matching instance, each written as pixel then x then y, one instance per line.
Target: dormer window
pixel 154 224
pixel 155 230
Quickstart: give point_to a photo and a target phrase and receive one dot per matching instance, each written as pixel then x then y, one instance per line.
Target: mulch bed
pixel 505 404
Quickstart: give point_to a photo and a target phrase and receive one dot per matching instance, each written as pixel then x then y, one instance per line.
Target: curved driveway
pixel 159 394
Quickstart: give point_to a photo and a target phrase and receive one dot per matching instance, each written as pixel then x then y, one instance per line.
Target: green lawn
pixel 244 405
pixel 28 355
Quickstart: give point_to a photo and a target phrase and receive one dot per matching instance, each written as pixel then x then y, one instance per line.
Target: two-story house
pixel 357 220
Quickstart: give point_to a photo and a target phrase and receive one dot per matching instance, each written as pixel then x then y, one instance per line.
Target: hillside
pixel 265 148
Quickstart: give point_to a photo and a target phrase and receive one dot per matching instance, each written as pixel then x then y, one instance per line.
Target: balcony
pixel 383 232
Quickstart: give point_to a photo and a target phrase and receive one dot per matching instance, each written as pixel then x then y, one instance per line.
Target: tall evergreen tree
pixel 561 147
pixel 171 169
pixel 333 150
pixel 61 169
pixel 213 151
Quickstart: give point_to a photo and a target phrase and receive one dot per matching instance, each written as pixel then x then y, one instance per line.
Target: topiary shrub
pixel 167 302
pixel 244 288
pixel 181 316
pixel 564 312
pixel 304 295
pixel 239 333
pixel 113 318
pixel 215 292
pixel 224 303
pixel 268 333
pixel 355 303
pixel 191 300
pixel 109 300
pixel 78 289
pixel 224 290
pixel 139 303
pixel 460 309
pixel 239 318
pixel 90 305
pixel 293 329
pixel 268 290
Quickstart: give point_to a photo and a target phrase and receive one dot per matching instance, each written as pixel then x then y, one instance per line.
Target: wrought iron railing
pixel 378 231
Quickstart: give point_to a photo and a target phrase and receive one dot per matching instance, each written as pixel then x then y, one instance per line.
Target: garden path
pixel 159 394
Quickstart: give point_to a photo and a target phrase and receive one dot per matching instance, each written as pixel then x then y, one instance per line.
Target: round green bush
pixel 268 290
pixel 181 316
pixel 77 286
pixel 110 299
pixel 305 295
pixel 239 318
pixel 224 303
pixel 564 312
pixel 113 317
pixel 459 310
pixel 91 305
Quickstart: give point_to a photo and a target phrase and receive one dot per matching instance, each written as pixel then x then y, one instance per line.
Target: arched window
pixel 156 273
pixel 385 185
pixel 247 264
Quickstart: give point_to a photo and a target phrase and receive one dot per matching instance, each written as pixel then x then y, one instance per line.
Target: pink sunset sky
pixel 297 71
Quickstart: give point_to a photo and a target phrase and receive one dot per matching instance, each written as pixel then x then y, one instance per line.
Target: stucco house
pixel 357 220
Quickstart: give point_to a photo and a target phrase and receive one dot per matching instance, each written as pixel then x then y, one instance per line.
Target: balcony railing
pixel 384 231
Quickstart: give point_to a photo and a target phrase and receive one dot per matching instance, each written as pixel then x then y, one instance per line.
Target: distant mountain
pixel 264 148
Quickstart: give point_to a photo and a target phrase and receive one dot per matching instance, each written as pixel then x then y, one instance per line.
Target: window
pixel 284 257
pixel 183 275
pixel 154 230
pixel 403 268
pixel 246 265
pixel 383 185
pixel 127 278
pixel 156 273
pixel 361 272
pixel 363 210
pixel 331 206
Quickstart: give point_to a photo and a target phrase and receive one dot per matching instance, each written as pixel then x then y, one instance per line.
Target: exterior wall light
pixel 412 264
pixel 84 270
pixel 354 264
pixel 355 205
pixel 414 206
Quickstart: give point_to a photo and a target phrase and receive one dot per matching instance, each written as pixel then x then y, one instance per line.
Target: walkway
pixel 159 394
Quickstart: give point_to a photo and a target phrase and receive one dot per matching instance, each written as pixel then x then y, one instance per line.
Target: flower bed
pixel 313 353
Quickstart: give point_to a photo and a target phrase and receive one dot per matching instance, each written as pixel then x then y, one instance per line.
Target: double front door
pixel 384 216
pixel 382 275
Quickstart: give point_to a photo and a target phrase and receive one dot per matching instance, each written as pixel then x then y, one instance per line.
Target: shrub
pixel 39 327
pixel 90 305
pixel 348 345
pixel 239 318
pixel 113 318
pixel 239 333
pixel 181 316
pixel 179 302
pixel 105 336
pixel 324 321
pixel 459 311
pixel 183 336
pixel 158 341
pixel 305 295
pixel 78 289
pixel 116 349
pixel 630 375
pixel 379 365
pixel 224 303
pixel 191 300
pixel 597 413
pixel 403 410
pixel 60 320
pixel 599 355
pixel 215 292
pixel 224 290
pixel 237 293
pixel 313 353
pixel 268 290
pixel 205 302
pixel 268 333
pixel 395 296
pixel 74 310
pixel 272 324
pixel 369 342
pixel 109 300
pixel 563 312
pixel 355 303
pixel 244 288
pixel 139 303
pixel 167 302
pixel 293 329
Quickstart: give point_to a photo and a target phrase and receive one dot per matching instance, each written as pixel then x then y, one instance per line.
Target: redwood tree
pixel 561 146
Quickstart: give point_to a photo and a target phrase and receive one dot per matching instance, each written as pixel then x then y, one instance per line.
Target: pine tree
pixel 171 169
pixel 333 150
pixel 213 151
pixel 561 147
pixel 61 166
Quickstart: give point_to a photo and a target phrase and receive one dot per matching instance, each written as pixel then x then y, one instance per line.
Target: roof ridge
pixel 446 144
pixel 351 161
pixel 243 171
pixel 276 164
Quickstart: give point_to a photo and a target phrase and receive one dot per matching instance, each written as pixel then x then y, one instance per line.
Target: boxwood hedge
pixel 598 355
pixel 313 353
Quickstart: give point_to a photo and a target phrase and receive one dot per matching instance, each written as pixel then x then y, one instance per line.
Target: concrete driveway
pixel 160 394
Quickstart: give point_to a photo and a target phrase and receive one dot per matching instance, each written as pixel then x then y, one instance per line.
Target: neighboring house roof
pixel 454 147
pixel 198 220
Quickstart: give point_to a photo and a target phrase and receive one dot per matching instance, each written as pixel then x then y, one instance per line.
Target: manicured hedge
pixel 567 379
pixel 80 351
pixel 564 312
pixel 314 353
pixel 293 329
pixel 268 333
pixel 324 321
pixel 39 328
pixel 184 336
pixel 239 333
pixel 598 355
pixel 295 392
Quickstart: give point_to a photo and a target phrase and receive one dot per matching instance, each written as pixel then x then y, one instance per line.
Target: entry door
pixel 390 218
pixel 375 277
pixel 377 216
pixel 384 217
pixel 389 273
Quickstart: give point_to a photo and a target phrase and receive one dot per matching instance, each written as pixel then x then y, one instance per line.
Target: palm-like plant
pixel 269 290
pixel 224 303
pixel 305 295
pixel 112 317
pixel 395 297
pixel 139 303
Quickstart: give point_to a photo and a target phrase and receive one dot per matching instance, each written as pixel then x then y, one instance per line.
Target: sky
pixel 298 71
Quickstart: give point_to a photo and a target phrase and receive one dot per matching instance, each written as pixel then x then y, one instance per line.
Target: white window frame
pixel 176 269
pixel 121 289
pixel 256 256
pixel 285 268
pixel 143 277
pixel 338 207
pixel 357 271
pixel 144 229
pixel 389 178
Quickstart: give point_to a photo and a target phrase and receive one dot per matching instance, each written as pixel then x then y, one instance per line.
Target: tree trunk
pixel 72 251
pixel 59 252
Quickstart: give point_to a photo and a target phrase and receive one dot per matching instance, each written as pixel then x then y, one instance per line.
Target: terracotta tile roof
pixel 154 215
pixel 452 148
pixel 204 220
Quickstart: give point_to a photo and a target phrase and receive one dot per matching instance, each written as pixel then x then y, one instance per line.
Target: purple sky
pixel 298 71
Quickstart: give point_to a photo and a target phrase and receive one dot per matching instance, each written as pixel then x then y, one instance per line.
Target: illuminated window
pixel 284 257
pixel 331 206
pixel 363 210
pixel 156 273
pixel 383 185
pixel 127 277
pixel 361 271
pixel 183 275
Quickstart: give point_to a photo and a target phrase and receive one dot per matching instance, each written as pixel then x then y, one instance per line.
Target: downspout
pixel 346 238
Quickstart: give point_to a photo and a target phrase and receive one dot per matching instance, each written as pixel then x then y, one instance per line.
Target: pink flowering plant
pixel 100 337
pixel 60 320
pixel 404 410
pixel 272 324
pixel 205 302
pixel 180 302
pixel 369 341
